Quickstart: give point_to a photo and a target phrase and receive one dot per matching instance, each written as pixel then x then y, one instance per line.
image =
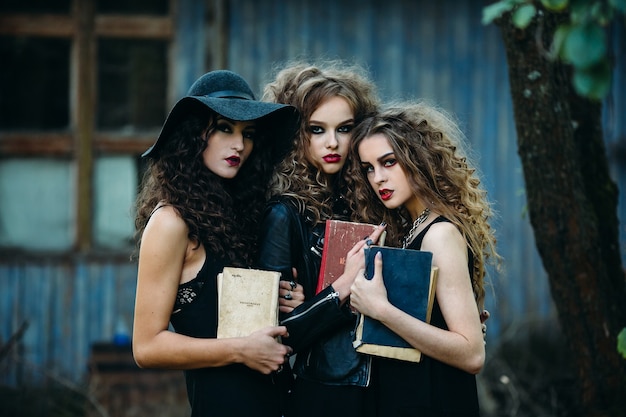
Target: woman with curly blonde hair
pixel 307 188
pixel 314 182
pixel 408 170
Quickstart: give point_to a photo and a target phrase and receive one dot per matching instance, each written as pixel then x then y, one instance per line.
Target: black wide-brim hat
pixel 229 95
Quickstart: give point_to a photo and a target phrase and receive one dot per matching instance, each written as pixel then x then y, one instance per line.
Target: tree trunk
pixel 572 204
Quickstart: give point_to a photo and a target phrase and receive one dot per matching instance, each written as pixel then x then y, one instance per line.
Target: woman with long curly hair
pixel 307 188
pixel 197 212
pixel 408 169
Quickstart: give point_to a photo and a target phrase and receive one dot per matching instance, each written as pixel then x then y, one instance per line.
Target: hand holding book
pixel 369 296
pixel 290 294
pixel 262 351
pixel 343 240
pixel 393 278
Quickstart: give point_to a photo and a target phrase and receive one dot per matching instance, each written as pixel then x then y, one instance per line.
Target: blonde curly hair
pixel 428 145
pixel 306 86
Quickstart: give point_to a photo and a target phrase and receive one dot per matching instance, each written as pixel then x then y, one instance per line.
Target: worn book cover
pixel 339 237
pixel 410 280
pixel 247 301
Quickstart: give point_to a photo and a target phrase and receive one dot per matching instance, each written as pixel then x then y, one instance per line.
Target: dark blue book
pixel 410 279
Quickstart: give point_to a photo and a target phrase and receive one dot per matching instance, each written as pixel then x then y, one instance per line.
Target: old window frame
pixel 82 142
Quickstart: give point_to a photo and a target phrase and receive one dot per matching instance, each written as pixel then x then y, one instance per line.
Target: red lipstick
pixel 233 160
pixel 385 194
pixel 332 158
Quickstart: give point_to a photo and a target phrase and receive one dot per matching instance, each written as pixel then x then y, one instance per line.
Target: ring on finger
pixel 292 284
pixel 288 296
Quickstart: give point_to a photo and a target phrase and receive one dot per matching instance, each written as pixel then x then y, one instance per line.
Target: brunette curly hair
pixel 222 214
pixel 306 86
pixel 428 145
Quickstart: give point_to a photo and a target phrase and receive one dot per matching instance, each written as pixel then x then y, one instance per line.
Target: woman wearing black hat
pixel 197 212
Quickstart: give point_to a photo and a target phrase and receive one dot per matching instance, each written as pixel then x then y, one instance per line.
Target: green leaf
pixel 555 5
pixel 579 11
pixel 524 15
pixel 619 5
pixel 557 41
pixel 584 46
pixel 593 83
pixel 495 10
pixel 621 342
pixel 601 13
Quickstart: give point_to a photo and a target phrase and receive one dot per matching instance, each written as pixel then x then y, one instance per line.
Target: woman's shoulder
pixel 165 236
pixel 166 219
pixel 441 231
pixel 440 225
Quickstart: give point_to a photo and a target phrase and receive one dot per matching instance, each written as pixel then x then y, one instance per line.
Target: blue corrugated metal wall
pixel 67 307
pixel 417 49
pixel 435 50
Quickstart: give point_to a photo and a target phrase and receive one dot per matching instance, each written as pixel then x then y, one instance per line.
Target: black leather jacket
pixel 321 330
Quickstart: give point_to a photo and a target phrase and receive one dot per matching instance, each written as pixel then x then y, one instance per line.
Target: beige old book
pixel 247 301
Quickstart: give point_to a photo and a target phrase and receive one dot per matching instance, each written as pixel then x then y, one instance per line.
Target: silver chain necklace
pixel 420 219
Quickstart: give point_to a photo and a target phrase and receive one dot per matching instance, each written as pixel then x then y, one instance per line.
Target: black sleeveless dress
pixel 426 389
pixel 228 391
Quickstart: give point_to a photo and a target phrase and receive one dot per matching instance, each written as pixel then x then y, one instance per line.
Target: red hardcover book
pixel 339 237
